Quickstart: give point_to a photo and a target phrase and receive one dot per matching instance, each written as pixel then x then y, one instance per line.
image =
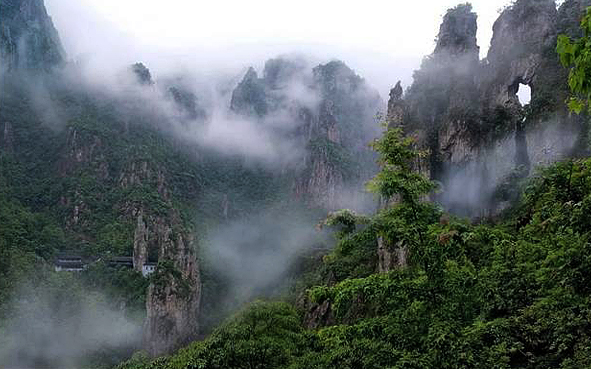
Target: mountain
pixel 332 110
pixel 467 114
pixel 28 39
pixel 109 173
pixel 416 285
pixel 219 191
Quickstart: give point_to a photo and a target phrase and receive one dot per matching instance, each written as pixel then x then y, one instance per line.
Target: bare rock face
pixel 172 303
pixel 140 242
pixel 521 36
pixel 318 315
pixel 174 295
pixel 467 113
pixel 391 257
pixel 441 99
pixel 457 33
pixel 329 111
pixel 324 181
pixel 396 107
pixel 28 39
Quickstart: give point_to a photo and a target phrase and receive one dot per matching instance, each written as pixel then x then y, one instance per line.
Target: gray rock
pixel 467 113
pixel 28 39
pixel 142 74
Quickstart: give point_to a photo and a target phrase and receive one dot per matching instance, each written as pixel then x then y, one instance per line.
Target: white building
pixel 148 268
pixel 69 263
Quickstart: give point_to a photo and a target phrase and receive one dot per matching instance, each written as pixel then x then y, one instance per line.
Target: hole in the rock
pixel 524 94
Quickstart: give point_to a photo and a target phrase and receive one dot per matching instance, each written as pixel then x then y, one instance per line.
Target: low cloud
pixel 62 326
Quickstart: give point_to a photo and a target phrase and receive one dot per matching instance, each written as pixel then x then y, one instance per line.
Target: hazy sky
pixel 383 40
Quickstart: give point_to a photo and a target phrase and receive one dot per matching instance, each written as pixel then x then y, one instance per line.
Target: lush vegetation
pixel 511 294
pixel 75 185
pixel 514 294
pixel 575 55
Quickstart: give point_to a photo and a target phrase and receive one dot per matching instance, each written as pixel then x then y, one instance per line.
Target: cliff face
pixel 162 235
pixel 569 17
pixel 457 33
pixel 28 39
pixel 249 97
pixel 330 111
pixel 174 295
pixel 524 37
pixel 467 113
pixel 441 100
pixel 135 198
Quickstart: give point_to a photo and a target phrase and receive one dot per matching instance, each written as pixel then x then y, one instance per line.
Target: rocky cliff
pixel 174 295
pixel 28 39
pixel 330 111
pixel 467 113
pixel 569 17
pixel 113 183
pixel 441 100
pixel 142 74
pixel 164 236
pixel 249 98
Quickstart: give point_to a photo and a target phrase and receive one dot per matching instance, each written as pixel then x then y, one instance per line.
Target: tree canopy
pixel 576 55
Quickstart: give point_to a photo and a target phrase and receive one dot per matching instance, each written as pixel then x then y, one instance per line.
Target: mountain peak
pixel 457 33
pixel 142 74
pixel 28 39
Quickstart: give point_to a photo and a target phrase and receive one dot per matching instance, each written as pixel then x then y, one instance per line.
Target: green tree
pixel 407 218
pixel 576 55
pixel 398 158
pixel 403 224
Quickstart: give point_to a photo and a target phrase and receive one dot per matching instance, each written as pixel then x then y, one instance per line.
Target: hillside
pixel 414 286
pixel 192 212
pixel 509 295
pixel 142 169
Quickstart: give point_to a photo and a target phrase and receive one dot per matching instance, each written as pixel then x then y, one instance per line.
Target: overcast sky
pixel 383 40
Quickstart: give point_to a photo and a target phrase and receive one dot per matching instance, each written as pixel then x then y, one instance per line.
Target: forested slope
pixel 513 294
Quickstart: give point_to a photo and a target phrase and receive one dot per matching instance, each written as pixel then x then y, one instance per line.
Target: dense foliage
pixel 508 295
pixel 513 294
pixel 265 335
pixel 576 55
pixel 75 183
pixel 65 187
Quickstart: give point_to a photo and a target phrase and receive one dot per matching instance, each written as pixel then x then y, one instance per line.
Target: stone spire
pixel 396 107
pixel 457 33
